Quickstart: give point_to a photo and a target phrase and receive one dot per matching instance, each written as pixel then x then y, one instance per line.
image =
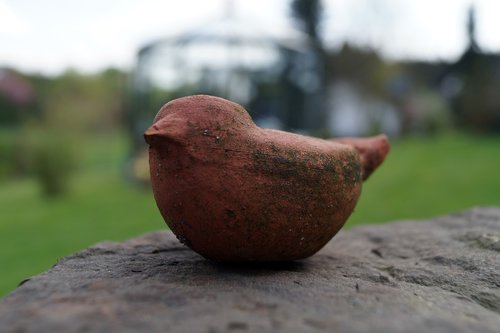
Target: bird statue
pixel 234 192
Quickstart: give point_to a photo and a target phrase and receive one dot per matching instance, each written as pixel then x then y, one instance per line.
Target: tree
pixel 308 15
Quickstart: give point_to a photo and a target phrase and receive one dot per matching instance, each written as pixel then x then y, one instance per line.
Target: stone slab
pixel 439 275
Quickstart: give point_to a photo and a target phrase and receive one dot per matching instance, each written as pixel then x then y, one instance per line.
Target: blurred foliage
pixel 16 97
pixel 429 96
pixel 478 104
pixel 7 165
pixel 364 68
pixel 412 88
pixel 83 103
pixel 67 110
pixel 10 113
pixel 49 155
pixel 35 232
pixel 431 114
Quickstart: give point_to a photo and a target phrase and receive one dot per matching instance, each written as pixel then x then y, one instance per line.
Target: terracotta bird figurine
pixel 232 191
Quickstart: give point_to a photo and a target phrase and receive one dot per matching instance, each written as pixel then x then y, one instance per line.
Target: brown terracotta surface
pixel 372 151
pixel 235 192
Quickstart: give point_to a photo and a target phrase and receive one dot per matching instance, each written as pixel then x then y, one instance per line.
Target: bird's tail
pixel 372 151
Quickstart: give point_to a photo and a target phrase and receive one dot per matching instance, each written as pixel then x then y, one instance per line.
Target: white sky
pixel 51 35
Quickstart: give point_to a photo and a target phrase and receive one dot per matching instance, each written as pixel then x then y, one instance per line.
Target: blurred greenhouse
pixel 275 79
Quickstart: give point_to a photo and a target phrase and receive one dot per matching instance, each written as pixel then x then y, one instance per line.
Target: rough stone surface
pixel 441 275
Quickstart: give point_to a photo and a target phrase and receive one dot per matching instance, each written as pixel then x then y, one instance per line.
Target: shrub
pixel 49 155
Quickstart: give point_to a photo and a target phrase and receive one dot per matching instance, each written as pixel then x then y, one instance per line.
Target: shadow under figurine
pixel 235 192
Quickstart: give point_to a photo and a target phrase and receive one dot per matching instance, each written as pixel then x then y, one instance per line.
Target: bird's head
pixel 184 118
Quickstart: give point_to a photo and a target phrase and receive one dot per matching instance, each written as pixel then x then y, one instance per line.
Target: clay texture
pixel 235 192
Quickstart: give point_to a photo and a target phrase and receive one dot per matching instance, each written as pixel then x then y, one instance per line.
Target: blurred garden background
pixel 79 85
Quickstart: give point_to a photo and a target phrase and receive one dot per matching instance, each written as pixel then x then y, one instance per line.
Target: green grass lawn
pixel 35 231
pixel 421 178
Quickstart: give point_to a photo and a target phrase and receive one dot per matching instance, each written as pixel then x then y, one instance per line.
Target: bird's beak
pixel 152 135
pixel 165 130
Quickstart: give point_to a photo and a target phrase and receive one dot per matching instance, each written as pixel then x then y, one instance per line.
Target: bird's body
pixel 235 192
